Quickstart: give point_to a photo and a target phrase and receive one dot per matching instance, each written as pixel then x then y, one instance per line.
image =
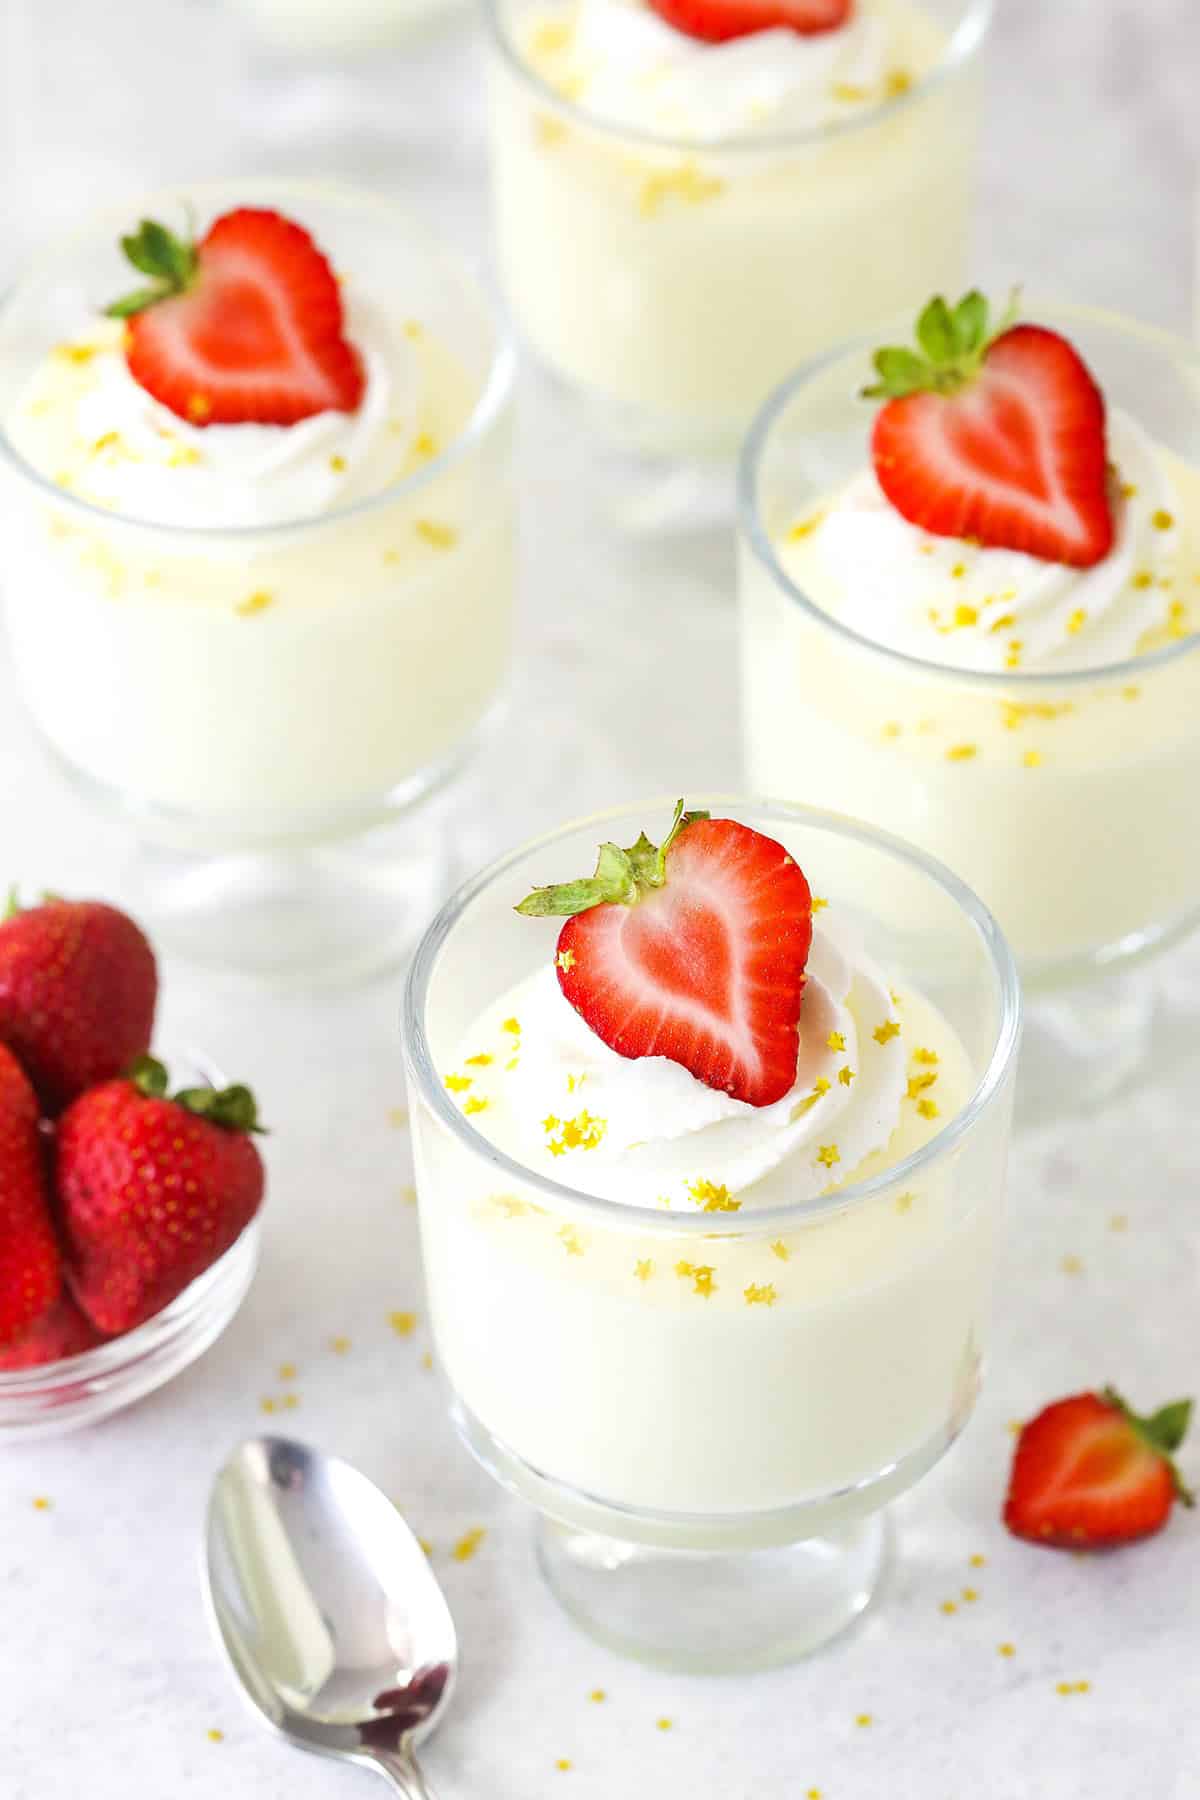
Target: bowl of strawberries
pixel 128 1195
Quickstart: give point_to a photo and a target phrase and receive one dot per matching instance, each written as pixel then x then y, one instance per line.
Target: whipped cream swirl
pixel 87 423
pixel 647 1132
pixel 952 602
pixel 619 60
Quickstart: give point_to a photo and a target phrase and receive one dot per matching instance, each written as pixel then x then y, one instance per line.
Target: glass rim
pixel 429 1087
pixel 493 397
pixel 961 47
pixel 754 532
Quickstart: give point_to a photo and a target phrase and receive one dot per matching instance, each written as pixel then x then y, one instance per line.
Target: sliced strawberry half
pixel 694 950
pixel 999 437
pixel 1090 1473
pixel 245 326
pixel 716 21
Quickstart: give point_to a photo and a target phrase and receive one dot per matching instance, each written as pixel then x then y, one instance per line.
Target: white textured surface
pixel 109 1680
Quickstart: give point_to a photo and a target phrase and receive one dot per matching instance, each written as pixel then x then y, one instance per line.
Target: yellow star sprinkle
pixel 1143 579
pixel 846 1074
pixel 1071 1265
pixel 828 1155
pixel 863 1719
pixel 1006 1649
pixel 970 1595
pixel 512 1027
pixel 339 1345
pixel 892 729
pixel 474 1104
pixel 805 527
pixel 457 1084
pixel 977 1561
pixel 1077 621
pixel 904 1202
pixel 427 1360
pixel 290 1402
pixel 764 1295
pixel 917 1084
pixel 215 1735
pixel 962 752
pixel 949 1607
pixel 818 904
pixel 563 1763
pixel 253 603
pixel 663 1724
pixel 43 1504
pixel 684 1269
pixel 1032 759
pixel 481 1061
pixel 571 1240
pixel 408 1195
pixel 702 1279
pixel 397 1117
pixel 424 445
pixel 338 464
pixel 836 1041
pixel 780 1249
pixel 266 1405
pixel 644 1269
pixel 287 1371
pixel 1119 1222
pixel 712 1198
pixel 413 329
pixel 598 1695
pixel 565 959
pixel 928 1109
pixel 1162 520
pixel 468 1544
pixel 889 1029
pixel 403 1323
pixel 439 537
pixel 927 1058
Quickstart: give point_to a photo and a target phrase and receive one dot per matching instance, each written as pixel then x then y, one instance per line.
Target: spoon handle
pixel 400 1769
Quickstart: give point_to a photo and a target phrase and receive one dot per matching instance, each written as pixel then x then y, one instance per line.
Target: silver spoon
pixel 328 1609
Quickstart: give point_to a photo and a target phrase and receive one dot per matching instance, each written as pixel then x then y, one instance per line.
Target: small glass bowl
pixel 61 1396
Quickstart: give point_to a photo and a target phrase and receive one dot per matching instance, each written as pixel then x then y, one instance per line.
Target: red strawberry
pixel 245 326
pixel 1088 1472
pixel 30 1268
pixel 695 951
pixel 78 989
pixel 996 437
pixel 152 1191
pixel 716 21
pixel 63 1331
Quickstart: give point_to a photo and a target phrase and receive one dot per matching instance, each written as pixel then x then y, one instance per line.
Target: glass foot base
pixel 1084 1044
pixel 702 1612
pixel 339 912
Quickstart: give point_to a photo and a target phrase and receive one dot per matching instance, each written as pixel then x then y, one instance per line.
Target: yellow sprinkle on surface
pixel 403 1323
pixel 42 1503
pixel 819 903
pixel 266 1404
pixel 397 1117
pixel 408 1195
pixel 1162 520
pixel 644 1269
pixel 664 1724
pixel 970 1595
pixel 977 1561
pixel 426 1546
pixel 849 92
pixel 563 1763
pixel 287 1371
pixel 548 131
pixel 413 329
pixel 339 1345
pixel 198 406
pixel 468 1544
pixel 713 1198
pixel 338 464
pixel 962 752
pixel 948 1607
pixel 424 445
pixel 892 729
pixel 1077 621
pixel 75 353
pixel 1119 1222
pixel 1006 1649
pixel 438 536
pixel 290 1402
pixel 571 1240
pixel 763 1294
pixel 215 1735
pixel 780 1249
pixel 1071 1265
pixel 598 1696
pixel 1143 579
pixel 828 1155
pixel 904 1202
pixel 687 184
pixel 254 603
pixel 863 1719
pixel 427 1360
pixel 888 1030
pixel 1032 759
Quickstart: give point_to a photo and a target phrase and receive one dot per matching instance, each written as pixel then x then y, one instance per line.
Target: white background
pixel 109 1685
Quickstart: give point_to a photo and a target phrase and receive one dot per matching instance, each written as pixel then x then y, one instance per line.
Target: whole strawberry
pixel 78 989
pixel 63 1331
pixel 30 1268
pixel 152 1191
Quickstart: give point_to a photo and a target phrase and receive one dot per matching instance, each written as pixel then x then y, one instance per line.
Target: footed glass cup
pixel 702 269
pixel 257 703
pixel 1065 800
pixel 709 1471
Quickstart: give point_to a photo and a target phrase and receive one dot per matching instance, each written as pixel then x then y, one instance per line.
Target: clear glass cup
pixel 1064 800
pixel 701 271
pixel 58 1397
pixel 255 701
pixel 710 1475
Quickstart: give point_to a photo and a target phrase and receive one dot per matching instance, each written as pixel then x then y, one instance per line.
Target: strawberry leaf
pixel 971 322
pixel 900 372
pixel 620 876
pixel 1162 1432
pixel 936 333
pixel 171 261
pixel 955 341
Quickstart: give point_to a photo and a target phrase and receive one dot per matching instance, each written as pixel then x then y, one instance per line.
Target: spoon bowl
pixel 327 1608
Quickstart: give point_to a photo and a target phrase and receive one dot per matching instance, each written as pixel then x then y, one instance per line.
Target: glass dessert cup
pixel 1063 799
pixel 57 1397
pixel 256 702
pixel 710 1474
pixel 689 290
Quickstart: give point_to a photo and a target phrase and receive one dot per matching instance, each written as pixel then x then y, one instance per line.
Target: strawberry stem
pixel 954 342
pixel 170 261
pixel 1162 1431
pixel 621 877
pixel 232 1108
